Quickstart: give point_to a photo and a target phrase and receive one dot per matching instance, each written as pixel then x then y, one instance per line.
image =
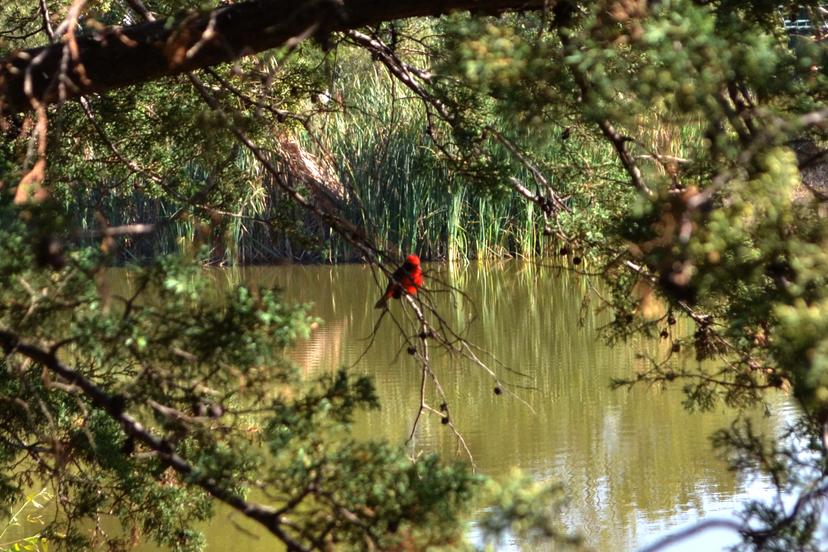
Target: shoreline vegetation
pixel 676 149
pixel 365 156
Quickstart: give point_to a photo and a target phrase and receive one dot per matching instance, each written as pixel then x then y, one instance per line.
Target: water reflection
pixel 635 462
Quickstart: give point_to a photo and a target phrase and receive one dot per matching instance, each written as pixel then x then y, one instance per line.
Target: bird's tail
pixel 383 301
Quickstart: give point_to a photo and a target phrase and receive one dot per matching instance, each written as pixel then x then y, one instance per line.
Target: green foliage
pixel 203 370
pixel 708 101
pixel 800 444
pixel 678 134
pixel 530 509
pixel 409 196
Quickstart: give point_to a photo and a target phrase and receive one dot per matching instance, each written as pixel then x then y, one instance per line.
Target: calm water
pixel 635 463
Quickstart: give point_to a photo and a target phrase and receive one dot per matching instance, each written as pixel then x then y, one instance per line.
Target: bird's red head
pixel 413 259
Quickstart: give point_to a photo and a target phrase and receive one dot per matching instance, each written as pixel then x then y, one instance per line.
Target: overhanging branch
pixel 122 56
pixel 114 406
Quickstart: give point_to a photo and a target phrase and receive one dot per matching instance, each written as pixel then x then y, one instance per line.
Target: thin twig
pixel 691 531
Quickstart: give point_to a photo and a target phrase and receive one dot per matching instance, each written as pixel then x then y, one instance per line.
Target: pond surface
pixel 635 463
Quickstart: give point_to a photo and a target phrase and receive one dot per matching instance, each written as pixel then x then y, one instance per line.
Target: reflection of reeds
pixel 323 350
pixel 626 457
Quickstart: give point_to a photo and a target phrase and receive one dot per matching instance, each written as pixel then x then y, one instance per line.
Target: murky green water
pixel 635 463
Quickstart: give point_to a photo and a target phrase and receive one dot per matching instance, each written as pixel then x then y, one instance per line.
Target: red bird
pixel 408 278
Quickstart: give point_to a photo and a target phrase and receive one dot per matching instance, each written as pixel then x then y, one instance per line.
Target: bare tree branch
pixel 691 531
pixel 47 24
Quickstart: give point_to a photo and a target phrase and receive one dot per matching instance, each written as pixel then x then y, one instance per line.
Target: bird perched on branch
pixel 408 278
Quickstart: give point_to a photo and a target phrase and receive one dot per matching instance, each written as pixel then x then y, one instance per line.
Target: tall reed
pixel 398 187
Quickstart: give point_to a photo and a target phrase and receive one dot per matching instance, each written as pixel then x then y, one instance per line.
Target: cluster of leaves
pixel 708 107
pixel 202 370
pixel 211 365
pixel 670 129
pixel 194 398
pixel 706 100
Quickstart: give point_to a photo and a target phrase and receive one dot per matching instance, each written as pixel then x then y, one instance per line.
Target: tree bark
pixel 116 57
